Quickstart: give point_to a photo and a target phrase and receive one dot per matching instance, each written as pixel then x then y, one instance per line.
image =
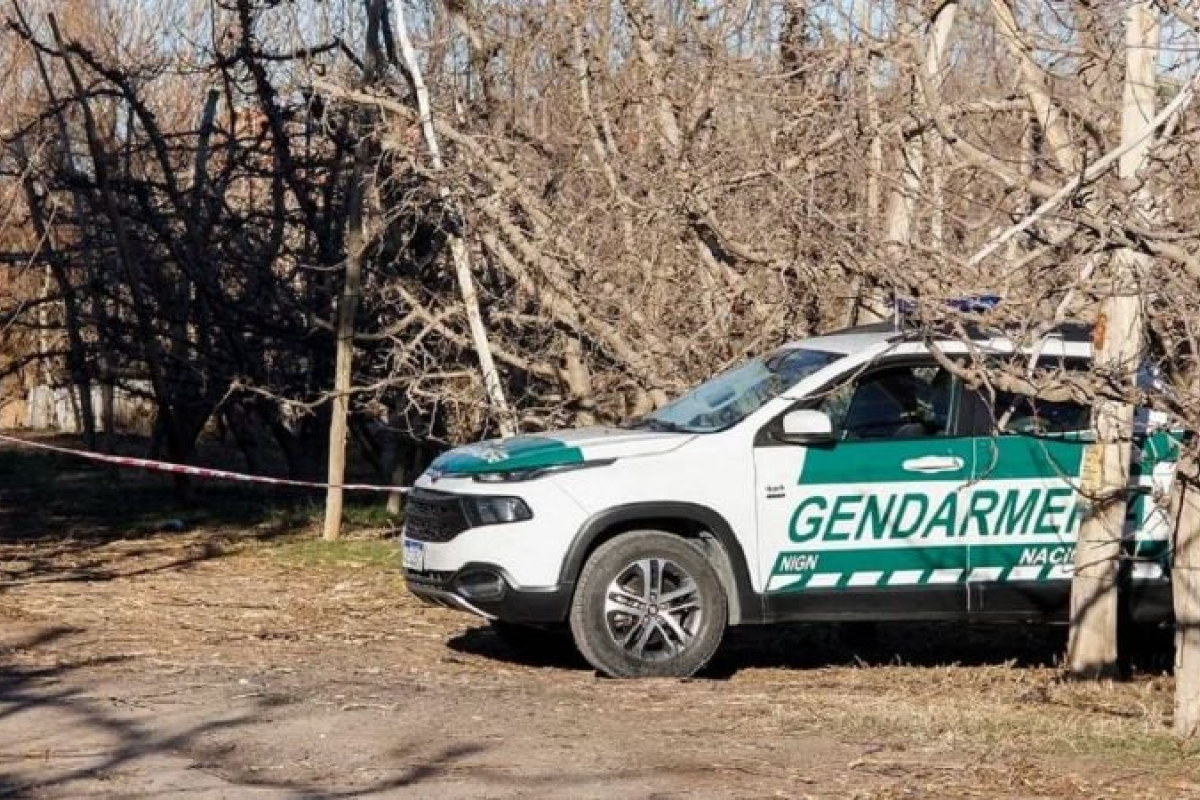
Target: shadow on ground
pixel 819 646
pixel 555 650
pixel 120 746
pixel 65 734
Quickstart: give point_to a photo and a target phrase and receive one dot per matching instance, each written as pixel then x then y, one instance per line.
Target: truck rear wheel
pixel 648 604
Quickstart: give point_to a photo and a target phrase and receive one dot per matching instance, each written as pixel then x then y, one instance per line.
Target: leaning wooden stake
pixel 458 248
pixel 346 311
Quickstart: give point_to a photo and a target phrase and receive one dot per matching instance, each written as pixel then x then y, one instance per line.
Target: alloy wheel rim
pixel 652 609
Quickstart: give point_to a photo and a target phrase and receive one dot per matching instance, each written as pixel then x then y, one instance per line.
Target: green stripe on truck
pixel 507 455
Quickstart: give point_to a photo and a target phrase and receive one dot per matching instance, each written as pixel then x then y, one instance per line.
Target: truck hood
pixel 555 449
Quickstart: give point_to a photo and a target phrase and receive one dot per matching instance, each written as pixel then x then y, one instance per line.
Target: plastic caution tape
pixel 198 472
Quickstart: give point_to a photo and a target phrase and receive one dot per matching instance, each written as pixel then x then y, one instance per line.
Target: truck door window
pixel 1022 414
pixel 1008 412
pixel 896 402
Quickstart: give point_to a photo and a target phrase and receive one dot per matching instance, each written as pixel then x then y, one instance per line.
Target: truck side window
pixel 896 402
pixel 1009 412
pixel 1022 414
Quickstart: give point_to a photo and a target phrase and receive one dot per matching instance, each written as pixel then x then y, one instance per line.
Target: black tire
pixel 672 639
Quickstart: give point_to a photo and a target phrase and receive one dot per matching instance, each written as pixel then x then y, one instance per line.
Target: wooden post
pixel 347 309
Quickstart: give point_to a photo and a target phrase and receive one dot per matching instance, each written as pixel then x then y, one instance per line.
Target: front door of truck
pixel 867 524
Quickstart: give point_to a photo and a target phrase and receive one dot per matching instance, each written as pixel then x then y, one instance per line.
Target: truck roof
pixel 852 340
pixel 1069 339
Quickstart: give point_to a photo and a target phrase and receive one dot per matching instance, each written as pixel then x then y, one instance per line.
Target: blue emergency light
pixel 971 304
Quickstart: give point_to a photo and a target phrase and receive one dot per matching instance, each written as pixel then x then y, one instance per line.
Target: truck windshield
pixel 730 397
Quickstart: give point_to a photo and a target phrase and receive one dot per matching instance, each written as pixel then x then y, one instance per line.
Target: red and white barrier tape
pixel 199 472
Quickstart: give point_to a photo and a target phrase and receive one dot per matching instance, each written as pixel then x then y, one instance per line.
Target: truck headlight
pixel 484 510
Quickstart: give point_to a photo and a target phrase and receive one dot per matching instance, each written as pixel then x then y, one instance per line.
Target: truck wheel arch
pixel 688 520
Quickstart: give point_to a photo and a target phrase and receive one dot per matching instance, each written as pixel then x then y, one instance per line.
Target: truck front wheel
pixel 647 605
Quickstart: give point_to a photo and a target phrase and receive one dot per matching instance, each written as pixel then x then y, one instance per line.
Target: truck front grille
pixel 433 517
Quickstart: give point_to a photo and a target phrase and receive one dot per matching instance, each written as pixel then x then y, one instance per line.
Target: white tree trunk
pixel 875 142
pixel 1035 85
pixel 902 203
pixel 1185 584
pixel 862 309
pixel 1092 650
pixel 458 249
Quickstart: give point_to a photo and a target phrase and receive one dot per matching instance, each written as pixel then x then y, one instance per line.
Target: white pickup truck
pixel 843 477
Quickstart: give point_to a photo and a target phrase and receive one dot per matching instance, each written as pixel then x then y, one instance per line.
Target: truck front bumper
pixel 487 591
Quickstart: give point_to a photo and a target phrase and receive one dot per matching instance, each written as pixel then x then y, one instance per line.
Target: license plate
pixel 414 555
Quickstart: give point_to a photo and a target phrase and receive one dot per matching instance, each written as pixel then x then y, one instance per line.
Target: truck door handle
pixel 931 464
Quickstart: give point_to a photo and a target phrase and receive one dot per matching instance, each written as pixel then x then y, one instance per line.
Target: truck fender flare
pixel 745 605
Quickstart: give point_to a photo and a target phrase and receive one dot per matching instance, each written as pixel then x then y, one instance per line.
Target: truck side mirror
pixel 807 426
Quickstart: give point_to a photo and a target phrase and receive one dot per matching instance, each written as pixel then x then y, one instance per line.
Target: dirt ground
pixel 237 658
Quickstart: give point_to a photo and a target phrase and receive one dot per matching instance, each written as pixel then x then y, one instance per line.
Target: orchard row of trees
pixel 508 215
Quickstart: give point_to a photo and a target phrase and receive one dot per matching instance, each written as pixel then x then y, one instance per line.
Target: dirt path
pixel 222 677
pixel 242 676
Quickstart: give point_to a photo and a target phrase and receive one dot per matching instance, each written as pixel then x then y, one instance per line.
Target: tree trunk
pixel 77 354
pixel 902 203
pixel 860 309
pixel 578 383
pixel 57 269
pixel 1185 584
pixel 1034 82
pixel 458 249
pixel 793 39
pixel 179 447
pixel 1092 649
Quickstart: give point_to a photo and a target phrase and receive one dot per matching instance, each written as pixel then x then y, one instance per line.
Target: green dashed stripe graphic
pixel 845 580
pixel 952 564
